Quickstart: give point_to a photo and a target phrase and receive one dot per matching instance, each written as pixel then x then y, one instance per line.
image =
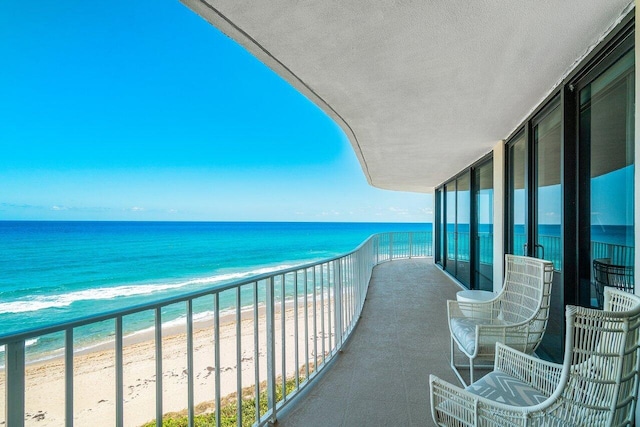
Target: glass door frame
pixel 623 41
pixel 444 210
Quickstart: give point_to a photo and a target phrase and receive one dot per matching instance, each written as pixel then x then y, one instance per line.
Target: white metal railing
pixel 299 319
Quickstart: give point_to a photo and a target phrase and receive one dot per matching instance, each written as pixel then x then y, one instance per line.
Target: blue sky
pixel 120 110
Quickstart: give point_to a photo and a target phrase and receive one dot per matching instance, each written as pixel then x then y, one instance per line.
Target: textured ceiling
pixel 421 88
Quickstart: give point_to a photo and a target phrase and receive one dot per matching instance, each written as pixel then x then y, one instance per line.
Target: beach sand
pixel 94 371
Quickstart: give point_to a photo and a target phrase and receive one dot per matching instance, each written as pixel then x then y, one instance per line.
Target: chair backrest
pixel 527 288
pixel 618 276
pixel 602 360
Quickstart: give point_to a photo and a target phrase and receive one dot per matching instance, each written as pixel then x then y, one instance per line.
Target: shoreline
pixel 94 368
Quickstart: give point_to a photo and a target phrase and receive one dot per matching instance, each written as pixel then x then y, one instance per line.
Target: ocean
pixel 53 271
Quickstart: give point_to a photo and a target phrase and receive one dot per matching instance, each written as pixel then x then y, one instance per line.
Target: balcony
pixel 381 375
pixel 293 329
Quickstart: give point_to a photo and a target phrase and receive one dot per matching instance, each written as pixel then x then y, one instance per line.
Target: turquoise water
pixel 56 271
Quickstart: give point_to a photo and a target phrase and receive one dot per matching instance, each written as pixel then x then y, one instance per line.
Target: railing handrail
pixel 347 279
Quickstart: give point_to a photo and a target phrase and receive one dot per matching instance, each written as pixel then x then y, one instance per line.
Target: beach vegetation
pixel 206 414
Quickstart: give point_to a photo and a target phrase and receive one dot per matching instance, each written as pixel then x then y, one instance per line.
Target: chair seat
pixel 464 330
pixel 503 388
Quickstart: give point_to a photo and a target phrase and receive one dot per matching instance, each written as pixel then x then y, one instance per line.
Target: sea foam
pixel 43 302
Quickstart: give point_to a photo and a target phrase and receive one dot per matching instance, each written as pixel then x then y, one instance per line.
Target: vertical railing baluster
pixel 329 306
pixel 390 246
pixel 338 302
pixel 256 350
pixel 15 386
pixel 296 328
pixel 410 245
pixel 283 309
pixel 322 328
pixel 190 374
pixel 306 325
pixel 68 377
pixel 239 356
pixel 158 348
pixel 216 351
pixel 315 321
pixel 349 278
pixel 271 348
pixel 119 375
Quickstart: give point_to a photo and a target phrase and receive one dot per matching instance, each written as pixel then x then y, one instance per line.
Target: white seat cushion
pixel 464 329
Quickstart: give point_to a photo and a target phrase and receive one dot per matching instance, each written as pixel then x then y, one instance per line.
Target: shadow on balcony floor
pixel 381 378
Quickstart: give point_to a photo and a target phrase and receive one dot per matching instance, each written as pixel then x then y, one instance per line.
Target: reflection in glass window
pixel 607 128
pixel 548 142
pixel 450 194
pixel 517 189
pixel 463 213
pixel 484 220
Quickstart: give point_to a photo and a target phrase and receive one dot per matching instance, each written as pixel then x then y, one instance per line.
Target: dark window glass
pixel 483 177
pixel 450 215
pixel 463 208
pixel 517 196
pixel 607 127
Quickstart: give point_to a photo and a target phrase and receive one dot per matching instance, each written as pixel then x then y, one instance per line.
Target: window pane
pixel 463 216
pixel 484 219
pixel 548 141
pixel 450 190
pixel 518 207
pixel 607 126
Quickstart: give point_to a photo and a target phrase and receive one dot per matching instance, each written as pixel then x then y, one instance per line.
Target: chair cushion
pixel 503 388
pixel 464 330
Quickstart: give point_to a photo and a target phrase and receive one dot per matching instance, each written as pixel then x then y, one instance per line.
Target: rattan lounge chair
pixel 517 316
pixel 607 274
pixel 597 385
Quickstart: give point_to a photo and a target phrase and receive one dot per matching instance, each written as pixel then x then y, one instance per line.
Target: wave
pixel 27 343
pixel 44 302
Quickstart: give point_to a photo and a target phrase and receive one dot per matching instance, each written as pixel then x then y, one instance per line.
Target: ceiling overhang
pixel 421 89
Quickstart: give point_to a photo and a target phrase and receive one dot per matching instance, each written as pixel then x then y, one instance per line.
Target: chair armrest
pixel 451 405
pixel 454 406
pixel 539 374
pixel 486 309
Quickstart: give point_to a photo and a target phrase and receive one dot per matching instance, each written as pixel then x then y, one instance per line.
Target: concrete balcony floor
pixel 382 376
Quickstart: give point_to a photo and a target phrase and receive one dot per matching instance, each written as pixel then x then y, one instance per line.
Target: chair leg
pixel 454 367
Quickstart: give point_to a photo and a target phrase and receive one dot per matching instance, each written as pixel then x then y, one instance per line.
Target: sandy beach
pixel 94 372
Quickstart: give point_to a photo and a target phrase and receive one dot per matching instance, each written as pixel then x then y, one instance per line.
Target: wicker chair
pixel 607 274
pixel 517 316
pixel 597 385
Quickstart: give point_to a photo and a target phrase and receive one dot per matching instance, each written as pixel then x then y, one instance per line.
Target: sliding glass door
pixel 546 216
pixel 606 100
pixel 534 206
pixel 482 226
pixel 464 231
pixel 463 249
pixel 517 195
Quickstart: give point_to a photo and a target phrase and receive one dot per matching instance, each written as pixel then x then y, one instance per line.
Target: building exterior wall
pixel 498 210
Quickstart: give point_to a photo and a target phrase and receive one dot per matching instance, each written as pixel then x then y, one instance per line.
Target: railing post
pixel 14 392
pixel 119 374
pixel 337 271
pixel 410 245
pixel 158 348
pixel 271 349
pixel 68 378
pixel 190 374
pixel 390 246
pixel 216 356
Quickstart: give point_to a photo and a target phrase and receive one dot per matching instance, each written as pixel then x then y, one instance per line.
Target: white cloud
pixel 59 208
